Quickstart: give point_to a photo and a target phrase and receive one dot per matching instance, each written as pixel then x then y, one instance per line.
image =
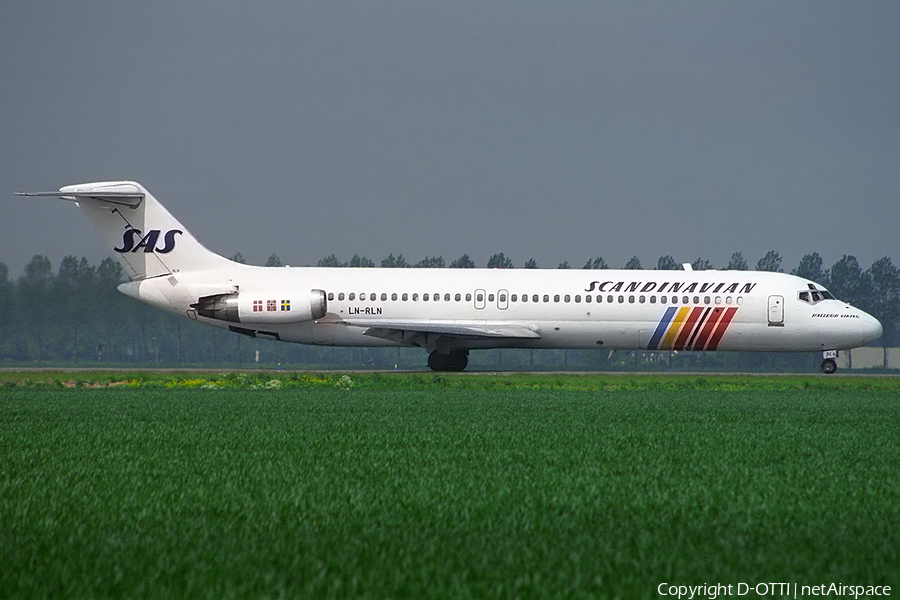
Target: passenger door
pixel 776 311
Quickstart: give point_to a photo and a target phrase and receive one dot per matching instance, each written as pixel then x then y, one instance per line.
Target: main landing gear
pixel 455 361
pixel 829 365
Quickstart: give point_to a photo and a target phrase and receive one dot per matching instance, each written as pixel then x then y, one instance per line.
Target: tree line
pixel 75 315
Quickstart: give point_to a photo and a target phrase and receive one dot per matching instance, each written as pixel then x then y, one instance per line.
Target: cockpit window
pixel 814 295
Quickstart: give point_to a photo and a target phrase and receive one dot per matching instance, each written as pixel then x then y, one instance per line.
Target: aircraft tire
pixel 828 366
pixel 458 361
pixel 438 361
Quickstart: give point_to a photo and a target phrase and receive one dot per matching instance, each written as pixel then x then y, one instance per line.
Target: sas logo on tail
pixel 132 242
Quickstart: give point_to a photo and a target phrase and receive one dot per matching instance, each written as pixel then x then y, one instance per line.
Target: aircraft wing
pixel 393 328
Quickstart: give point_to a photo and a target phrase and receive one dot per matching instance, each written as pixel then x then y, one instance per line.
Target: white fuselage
pixel 613 309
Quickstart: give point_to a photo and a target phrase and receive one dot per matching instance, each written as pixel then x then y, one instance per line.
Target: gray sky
pixel 559 131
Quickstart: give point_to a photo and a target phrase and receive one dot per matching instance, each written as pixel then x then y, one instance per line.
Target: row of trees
pixel 811 265
pixel 770 262
pixel 76 315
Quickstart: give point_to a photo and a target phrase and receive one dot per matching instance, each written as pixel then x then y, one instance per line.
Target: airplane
pixel 450 312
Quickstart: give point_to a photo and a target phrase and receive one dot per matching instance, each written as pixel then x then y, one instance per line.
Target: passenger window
pixel 740 300
pixel 696 299
pixel 437 297
pixel 546 298
pixel 490 297
pixel 686 300
pixel 641 299
pixel 479 298
pixel 567 298
pixel 458 297
pixel 556 297
pixel 394 297
pixel 524 297
pixel 447 298
pixel 663 299
pixel 425 297
pixel 535 298
pixel 630 299
pixel 706 300
pixel 415 297
pixel 383 296
pixel 728 300
pixel 352 296
pixel 341 296
pixel 404 297
pixel 331 295
pixel 718 299
pixel 587 299
pixel 513 298
pixel 502 297
pixel 675 300
pixel 577 298
pixel 610 298
pixel 468 297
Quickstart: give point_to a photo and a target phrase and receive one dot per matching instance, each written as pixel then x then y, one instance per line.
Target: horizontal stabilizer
pixel 119 197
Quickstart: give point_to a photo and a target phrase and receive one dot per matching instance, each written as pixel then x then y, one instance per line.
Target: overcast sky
pixel 558 130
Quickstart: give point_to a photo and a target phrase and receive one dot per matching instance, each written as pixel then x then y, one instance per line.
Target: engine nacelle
pixel 264 307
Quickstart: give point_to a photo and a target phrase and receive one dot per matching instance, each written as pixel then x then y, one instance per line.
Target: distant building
pixel 868 357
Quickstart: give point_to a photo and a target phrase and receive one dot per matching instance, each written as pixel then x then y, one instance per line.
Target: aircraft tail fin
pixel 143 236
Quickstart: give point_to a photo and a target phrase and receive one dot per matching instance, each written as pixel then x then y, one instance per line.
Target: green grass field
pixel 560 487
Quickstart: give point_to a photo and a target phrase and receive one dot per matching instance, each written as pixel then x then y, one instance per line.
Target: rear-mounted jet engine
pixel 276 307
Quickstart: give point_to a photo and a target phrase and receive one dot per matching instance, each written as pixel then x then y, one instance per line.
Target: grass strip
pixel 435 493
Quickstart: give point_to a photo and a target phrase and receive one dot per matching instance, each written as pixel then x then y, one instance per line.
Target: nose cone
pixel 847 327
pixel 870 328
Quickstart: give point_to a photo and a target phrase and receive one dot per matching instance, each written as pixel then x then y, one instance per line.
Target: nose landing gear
pixel 828 366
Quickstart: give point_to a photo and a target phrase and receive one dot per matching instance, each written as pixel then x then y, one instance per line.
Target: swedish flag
pixel 285 306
